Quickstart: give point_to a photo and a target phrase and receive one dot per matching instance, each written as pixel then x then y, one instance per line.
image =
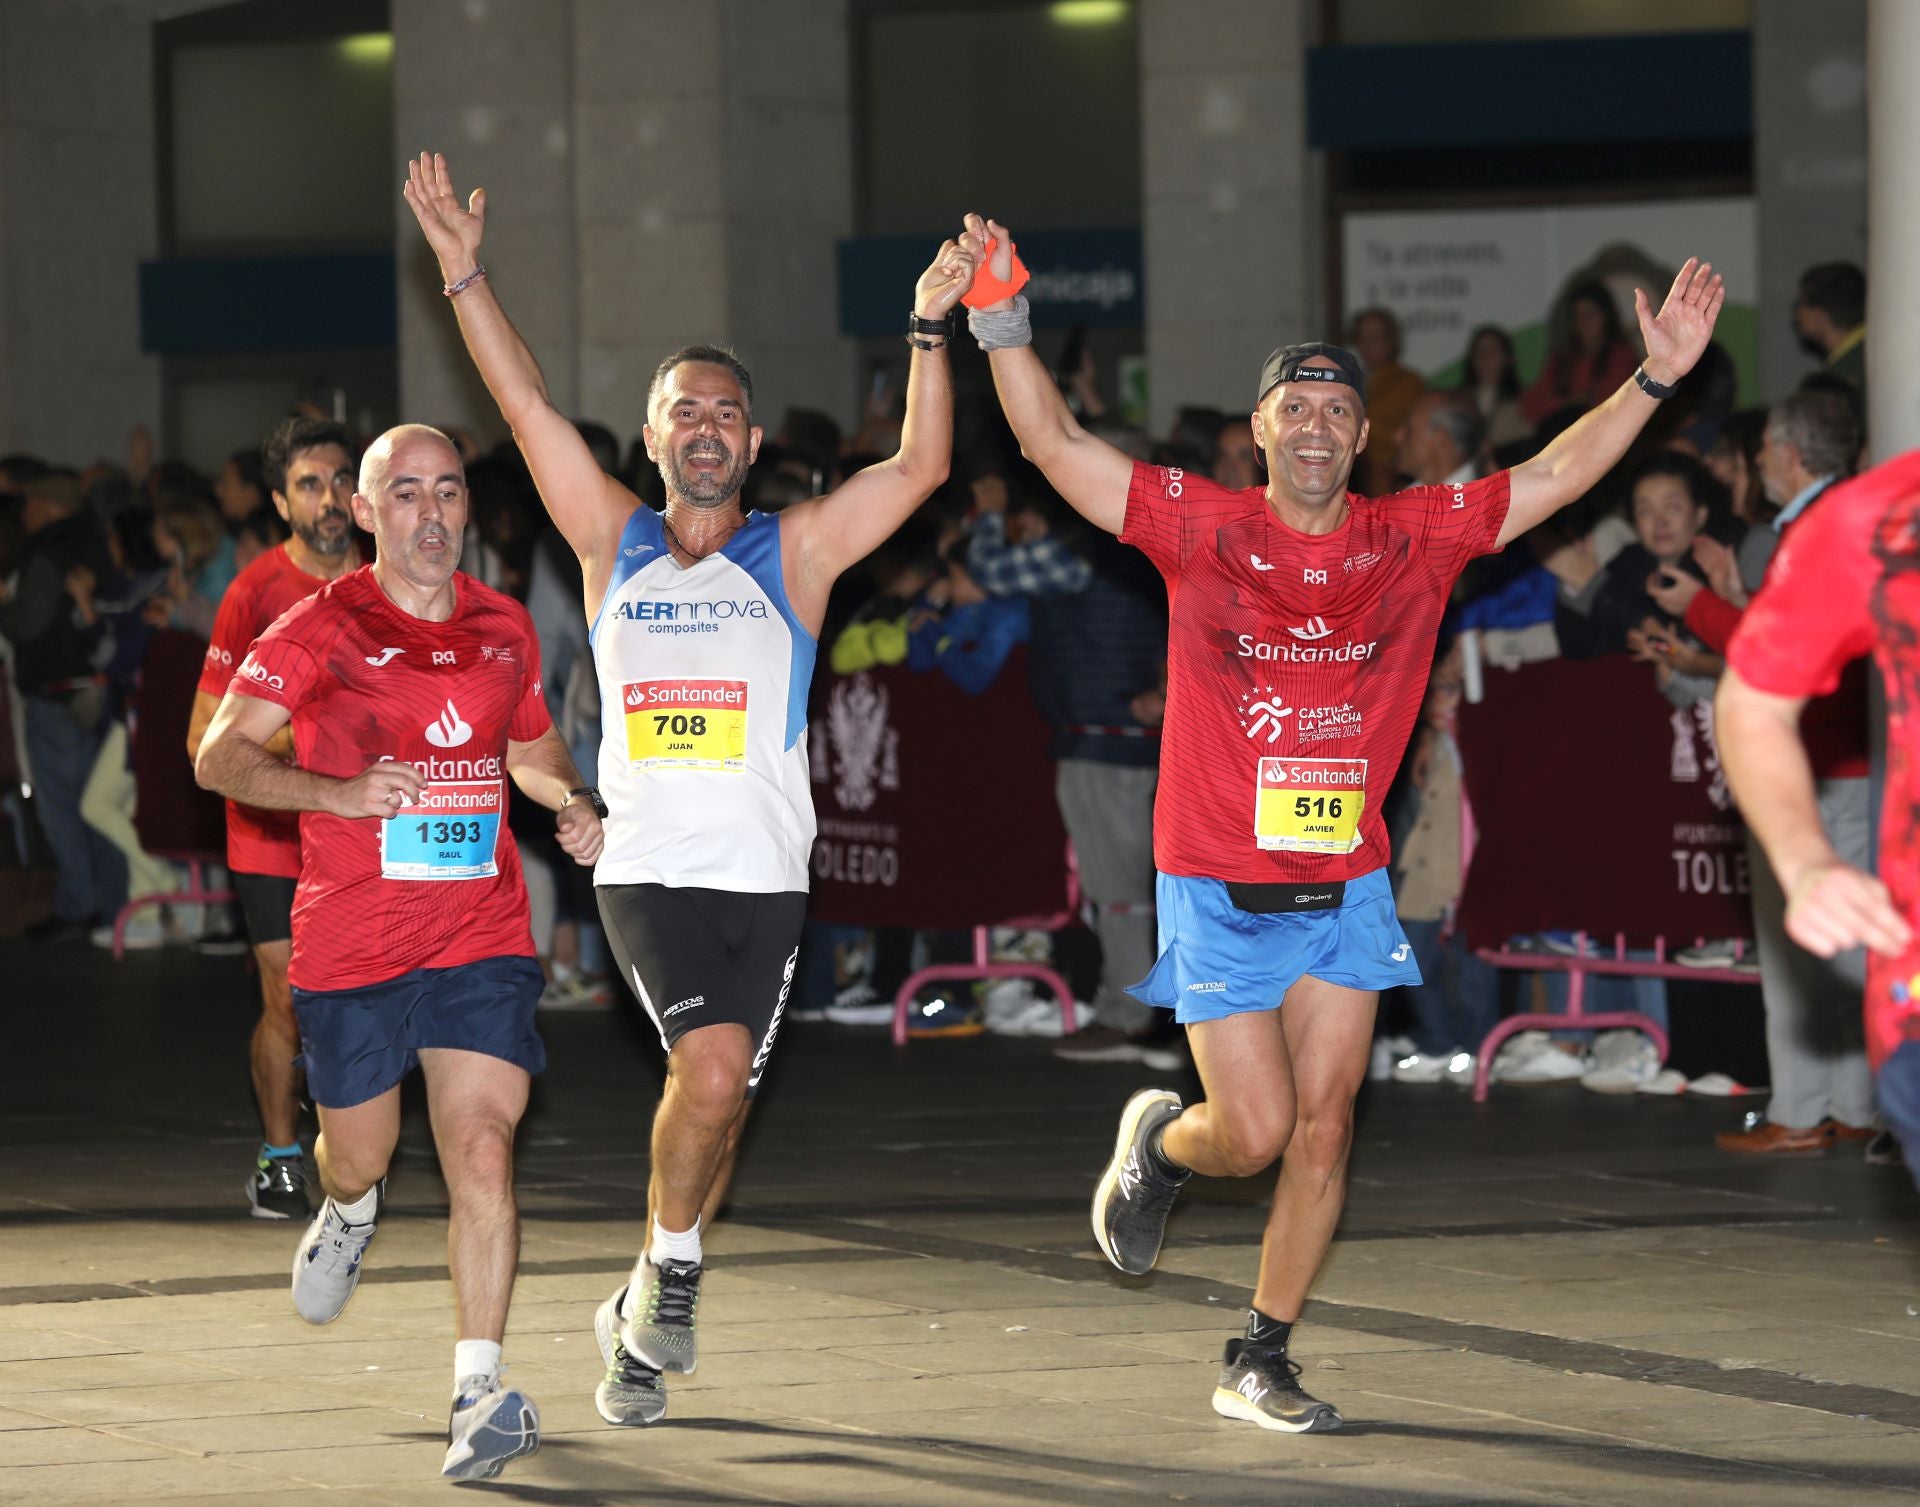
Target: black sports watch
pixel 1658 391
pixel 917 327
pixel 591 795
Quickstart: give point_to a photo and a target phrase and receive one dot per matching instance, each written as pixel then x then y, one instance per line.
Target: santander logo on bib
pixel 448 731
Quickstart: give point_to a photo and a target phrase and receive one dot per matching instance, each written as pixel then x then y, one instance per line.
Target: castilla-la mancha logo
pixel 447 730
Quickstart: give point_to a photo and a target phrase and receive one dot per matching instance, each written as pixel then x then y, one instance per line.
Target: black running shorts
pixel 266 900
pixel 699 957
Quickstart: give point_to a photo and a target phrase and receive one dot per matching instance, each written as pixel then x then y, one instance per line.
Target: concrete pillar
pixel 1231 212
pixel 1809 160
pixel 1893 247
pixel 77 215
pixel 490 83
pixel 659 174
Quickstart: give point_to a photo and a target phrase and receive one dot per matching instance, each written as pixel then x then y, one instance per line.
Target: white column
pixel 1893 238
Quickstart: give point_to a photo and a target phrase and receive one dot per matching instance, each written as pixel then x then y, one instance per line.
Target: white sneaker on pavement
pixel 1532 1057
pixel 1454 1067
pixel 1622 1061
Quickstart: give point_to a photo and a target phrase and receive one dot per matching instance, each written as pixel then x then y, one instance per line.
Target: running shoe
pixel 1532 1057
pixel 489 1426
pixel 1620 1062
pixel 631 1393
pixel 278 1188
pixel 660 1333
pixel 326 1267
pixel 1134 1197
pixel 1262 1385
pixel 1454 1067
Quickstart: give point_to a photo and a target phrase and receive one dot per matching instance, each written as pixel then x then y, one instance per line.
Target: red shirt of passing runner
pixel 258 842
pixel 439 884
pixel 1844 583
pixel 1296 665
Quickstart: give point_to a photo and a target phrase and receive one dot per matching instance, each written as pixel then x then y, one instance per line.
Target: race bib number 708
pixel 686 724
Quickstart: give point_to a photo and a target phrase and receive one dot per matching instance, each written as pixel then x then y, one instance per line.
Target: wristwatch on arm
pixel 591 795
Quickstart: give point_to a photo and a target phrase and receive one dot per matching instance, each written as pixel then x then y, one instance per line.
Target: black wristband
pixel 1659 391
pixel 918 326
pixel 591 795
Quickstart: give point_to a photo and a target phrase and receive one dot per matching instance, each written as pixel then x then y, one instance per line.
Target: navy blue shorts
pixel 1218 960
pixel 357 1043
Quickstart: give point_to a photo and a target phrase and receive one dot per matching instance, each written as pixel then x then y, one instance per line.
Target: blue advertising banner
pixel 1079 277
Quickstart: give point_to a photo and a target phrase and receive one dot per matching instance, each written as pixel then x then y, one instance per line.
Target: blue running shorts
pixel 357 1043
pixel 1218 960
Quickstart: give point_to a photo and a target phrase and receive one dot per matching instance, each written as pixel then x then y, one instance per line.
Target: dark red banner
pixel 936 808
pixel 1601 807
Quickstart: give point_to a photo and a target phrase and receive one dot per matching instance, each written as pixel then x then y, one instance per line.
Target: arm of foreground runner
pixel 545 772
pixel 830 533
pixel 234 761
pixel 1092 475
pixel 589 507
pixel 1568 468
pixel 1831 906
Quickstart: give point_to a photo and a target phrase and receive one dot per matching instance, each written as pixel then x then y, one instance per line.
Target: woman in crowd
pixel 1588 356
pixel 1489 376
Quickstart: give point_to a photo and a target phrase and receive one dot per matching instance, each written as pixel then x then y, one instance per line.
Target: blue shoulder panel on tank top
pixel 641 543
pixel 756 550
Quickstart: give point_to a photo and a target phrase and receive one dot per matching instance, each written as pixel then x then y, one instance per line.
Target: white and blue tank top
pixel 703 673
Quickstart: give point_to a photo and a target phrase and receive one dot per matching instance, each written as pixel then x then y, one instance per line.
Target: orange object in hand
pixel 988 289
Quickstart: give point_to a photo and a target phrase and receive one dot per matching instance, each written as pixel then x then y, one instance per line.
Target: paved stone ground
pixel 1556 1297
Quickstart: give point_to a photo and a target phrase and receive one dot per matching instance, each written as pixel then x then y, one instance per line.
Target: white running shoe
pixel 1739 955
pixel 488 1427
pixel 858 1005
pixel 1668 1083
pixel 326 1267
pixel 1435 1067
pixel 1720 1086
pixel 631 1394
pixel 1038 1016
pixel 1622 1061
pixel 1532 1057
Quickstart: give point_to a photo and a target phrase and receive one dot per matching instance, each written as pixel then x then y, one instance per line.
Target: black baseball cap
pixel 1287 363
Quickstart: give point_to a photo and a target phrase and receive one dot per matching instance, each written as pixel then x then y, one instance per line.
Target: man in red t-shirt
pixel 412 692
pixel 1302 622
pixel 1845 582
pixel 308 465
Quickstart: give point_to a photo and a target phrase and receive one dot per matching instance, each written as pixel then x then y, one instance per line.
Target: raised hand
pixel 1673 590
pixel 1676 336
pixel 941 285
pixel 452 231
pixel 975 238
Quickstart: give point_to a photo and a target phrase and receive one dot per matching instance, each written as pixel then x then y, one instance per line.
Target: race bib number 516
pixel 1309 805
pixel 686 724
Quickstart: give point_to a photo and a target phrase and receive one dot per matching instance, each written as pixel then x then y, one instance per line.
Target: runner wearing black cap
pixel 1302 623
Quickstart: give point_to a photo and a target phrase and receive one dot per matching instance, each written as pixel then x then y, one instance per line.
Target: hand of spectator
pixel 1722 567
pixel 1025 527
pixel 1675 337
pixel 453 232
pixel 1149 708
pixel 1833 906
pixel 941 285
pixel 578 831
pixel 973 241
pixel 80 584
pixel 1672 589
pixel 1574 561
pixel 382 791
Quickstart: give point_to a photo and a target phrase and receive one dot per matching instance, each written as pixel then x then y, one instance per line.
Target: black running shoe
pixel 1134 1197
pixel 278 1189
pixel 1262 1385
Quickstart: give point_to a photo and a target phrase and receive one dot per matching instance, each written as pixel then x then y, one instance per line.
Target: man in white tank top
pixel 704 622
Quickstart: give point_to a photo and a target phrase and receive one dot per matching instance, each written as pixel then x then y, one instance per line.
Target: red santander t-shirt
pixel 439 883
pixel 258 842
pixel 1846 582
pixel 1296 665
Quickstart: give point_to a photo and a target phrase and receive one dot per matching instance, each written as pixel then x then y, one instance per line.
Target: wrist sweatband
pixel 1003 327
pixel 987 288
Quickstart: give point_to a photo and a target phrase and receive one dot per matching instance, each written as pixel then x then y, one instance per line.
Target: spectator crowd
pixel 996 576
